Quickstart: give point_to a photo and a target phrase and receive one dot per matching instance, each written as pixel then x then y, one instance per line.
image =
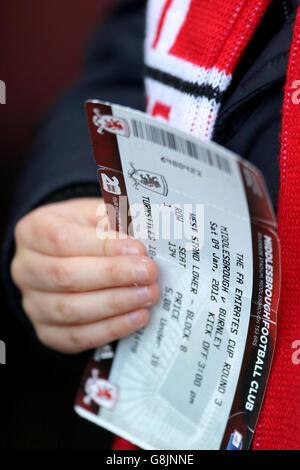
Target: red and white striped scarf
pixel 191 50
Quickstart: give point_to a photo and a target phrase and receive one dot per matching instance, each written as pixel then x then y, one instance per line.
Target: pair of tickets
pixel 195 376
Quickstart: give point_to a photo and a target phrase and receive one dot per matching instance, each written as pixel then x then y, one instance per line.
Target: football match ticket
pixel 195 376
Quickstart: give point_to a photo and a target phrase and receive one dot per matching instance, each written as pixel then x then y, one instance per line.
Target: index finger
pixel 59 237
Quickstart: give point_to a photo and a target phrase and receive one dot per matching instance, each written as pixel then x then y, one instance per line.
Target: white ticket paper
pixel 195 376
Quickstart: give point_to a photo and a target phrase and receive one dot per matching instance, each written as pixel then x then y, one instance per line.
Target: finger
pixel 54 235
pixel 84 210
pixel 76 339
pixel 88 307
pixel 35 271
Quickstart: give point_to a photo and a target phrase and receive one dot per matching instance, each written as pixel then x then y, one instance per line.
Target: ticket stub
pixel 195 376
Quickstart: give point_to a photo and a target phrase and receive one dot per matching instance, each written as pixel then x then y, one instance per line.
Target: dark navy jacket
pixel 61 165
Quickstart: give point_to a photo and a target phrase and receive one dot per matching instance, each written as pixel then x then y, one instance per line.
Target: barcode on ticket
pixel 142 130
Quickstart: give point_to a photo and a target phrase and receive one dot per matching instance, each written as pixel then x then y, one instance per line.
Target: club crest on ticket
pixel 149 180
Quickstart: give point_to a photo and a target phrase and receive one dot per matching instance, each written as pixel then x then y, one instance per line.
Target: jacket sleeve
pixel 61 164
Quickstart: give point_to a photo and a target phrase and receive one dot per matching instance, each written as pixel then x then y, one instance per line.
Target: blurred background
pixel 41 49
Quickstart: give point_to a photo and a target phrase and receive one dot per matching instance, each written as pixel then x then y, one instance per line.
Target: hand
pixel 80 291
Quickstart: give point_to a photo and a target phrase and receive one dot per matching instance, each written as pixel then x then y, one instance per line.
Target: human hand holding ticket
pixel 80 291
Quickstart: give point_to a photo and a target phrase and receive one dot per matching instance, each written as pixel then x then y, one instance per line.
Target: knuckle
pixel 112 273
pixel 79 341
pixel 116 304
pixel 59 239
pixel 66 311
pixel 106 246
pixel 62 275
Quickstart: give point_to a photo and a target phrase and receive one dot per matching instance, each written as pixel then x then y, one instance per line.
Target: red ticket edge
pixel 104 128
pixel 260 343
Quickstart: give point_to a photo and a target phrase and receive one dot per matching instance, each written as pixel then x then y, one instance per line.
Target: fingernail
pixel 136 319
pixel 141 273
pixel 144 297
pixel 130 249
